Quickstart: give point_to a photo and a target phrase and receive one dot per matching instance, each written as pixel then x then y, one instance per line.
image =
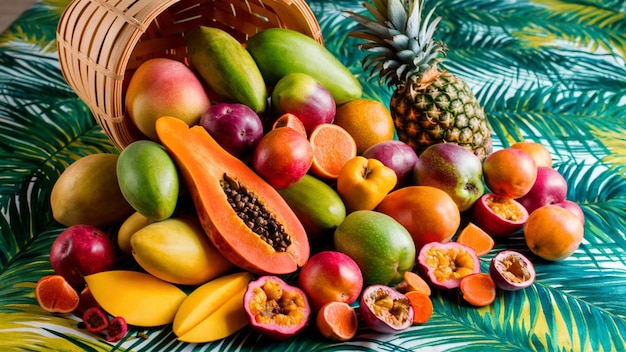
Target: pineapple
pixel 428 105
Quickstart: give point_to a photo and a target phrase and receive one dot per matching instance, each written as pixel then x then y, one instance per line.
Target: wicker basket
pixel 101 43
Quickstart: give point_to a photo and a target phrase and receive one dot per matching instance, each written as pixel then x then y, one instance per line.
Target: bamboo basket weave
pixel 102 42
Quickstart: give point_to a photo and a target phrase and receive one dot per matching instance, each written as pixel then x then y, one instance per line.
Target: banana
pixel 226 67
pixel 280 51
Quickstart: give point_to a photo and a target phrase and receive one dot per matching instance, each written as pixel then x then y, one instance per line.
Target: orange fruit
pixel 422 306
pixel 428 213
pixel 509 172
pixel 332 147
pixel 337 321
pixel 55 295
pixel 368 122
pixel 553 233
pixel 413 282
pixel 478 289
pixel 476 238
pixel 537 151
pixel 290 120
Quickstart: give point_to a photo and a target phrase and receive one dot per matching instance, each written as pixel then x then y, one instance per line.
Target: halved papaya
pixel 271 239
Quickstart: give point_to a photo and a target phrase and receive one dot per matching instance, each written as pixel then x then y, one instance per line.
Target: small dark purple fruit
pixel 235 127
pixel 511 270
pixel 385 310
pixel 276 309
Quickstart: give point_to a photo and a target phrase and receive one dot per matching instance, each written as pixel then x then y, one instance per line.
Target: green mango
pixel 380 245
pixel 280 51
pixel 317 205
pixel 226 67
pixel 148 179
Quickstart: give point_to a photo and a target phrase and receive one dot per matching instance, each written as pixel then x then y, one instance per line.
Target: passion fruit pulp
pixel 498 216
pixel 511 270
pixel 445 264
pixel 385 309
pixel 117 329
pixel 276 309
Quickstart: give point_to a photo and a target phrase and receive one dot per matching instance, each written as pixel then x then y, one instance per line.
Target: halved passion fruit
pixel 275 308
pixel 385 310
pixel 511 270
pixel 498 216
pixel 445 264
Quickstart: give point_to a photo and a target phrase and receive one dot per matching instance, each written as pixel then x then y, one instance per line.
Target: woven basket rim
pixel 100 43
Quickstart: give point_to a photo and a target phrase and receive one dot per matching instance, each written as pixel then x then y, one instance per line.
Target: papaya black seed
pixel 252 212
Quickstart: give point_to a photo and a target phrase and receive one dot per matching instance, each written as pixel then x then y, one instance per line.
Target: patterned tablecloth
pixel 546 71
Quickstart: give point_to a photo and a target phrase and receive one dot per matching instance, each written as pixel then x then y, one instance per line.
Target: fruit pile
pixel 268 192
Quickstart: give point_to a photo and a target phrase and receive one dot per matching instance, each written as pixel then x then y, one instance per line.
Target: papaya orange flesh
pixel 207 169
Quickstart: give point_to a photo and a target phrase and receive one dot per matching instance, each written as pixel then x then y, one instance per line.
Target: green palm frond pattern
pixel 550 71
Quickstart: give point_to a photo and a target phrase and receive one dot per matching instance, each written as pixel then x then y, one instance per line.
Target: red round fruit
pixel 86 301
pixel 574 208
pixel 498 216
pixel 274 308
pixel 330 276
pixel 511 270
pixel 303 96
pixel 445 264
pixel 509 172
pixel 81 250
pixel 282 157
pixel 550 187
pixel 385 310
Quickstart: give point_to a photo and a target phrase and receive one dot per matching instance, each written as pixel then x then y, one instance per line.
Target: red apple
pixel 396 155
pixel 81 250
pixel 303 96
pixel 330 276
pixel 550 187
pixel 282 157
pixel 574 208
pixel 236 127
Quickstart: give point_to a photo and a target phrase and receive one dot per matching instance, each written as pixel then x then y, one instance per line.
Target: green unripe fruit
pixel 148 179
pixel 380 245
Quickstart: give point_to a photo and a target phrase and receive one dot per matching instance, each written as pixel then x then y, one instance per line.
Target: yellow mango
pixel 142 299
pixel 132 224
pixel 214 310
pixel 178 250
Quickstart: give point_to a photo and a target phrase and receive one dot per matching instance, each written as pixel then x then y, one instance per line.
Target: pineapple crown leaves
pixel 398 40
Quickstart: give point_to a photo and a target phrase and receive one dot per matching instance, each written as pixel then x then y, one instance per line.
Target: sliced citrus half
pixel 337 321
pixel 55 295
pixel 332 146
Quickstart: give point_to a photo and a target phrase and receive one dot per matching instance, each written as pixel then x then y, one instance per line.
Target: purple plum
pixel 236 127
pixel 396 155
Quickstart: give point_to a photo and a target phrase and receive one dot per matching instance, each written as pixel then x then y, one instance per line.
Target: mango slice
pixel 142 299
pixel 214 310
